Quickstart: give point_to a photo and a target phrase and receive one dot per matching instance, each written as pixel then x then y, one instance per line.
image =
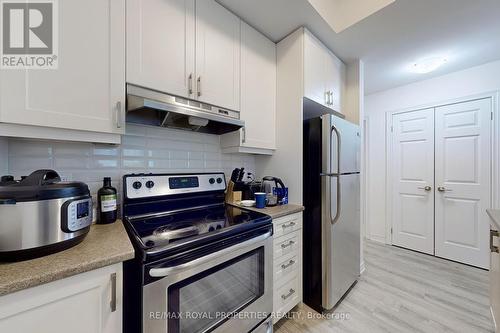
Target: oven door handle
pixel 165 271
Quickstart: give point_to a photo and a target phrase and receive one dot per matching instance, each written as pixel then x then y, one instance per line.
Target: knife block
pixel 232 196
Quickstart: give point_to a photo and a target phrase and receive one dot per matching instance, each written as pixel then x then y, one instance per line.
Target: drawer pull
pixel 493 248
pixel 290 293
pixel 290 263
pixel 290 243
pixel 291 224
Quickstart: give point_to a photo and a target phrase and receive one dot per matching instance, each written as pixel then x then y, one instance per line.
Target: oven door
pixel 229 290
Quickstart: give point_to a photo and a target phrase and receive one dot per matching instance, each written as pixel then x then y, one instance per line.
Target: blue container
pixel 260 200
pixel 282 194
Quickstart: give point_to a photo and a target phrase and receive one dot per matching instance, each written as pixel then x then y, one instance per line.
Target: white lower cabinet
pixel 287 258
pixel 90 302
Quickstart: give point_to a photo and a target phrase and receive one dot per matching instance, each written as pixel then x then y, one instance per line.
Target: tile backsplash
pixel 143 149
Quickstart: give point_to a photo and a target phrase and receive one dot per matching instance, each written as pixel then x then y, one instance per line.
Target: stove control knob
pixel 211 181
pixel 150 184
pixel 219 227
pixel 211 229
pixel 137 185
pixel 150 243
pixel 219 180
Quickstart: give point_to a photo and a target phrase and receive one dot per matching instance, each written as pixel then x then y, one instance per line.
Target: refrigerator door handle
pixel 337 211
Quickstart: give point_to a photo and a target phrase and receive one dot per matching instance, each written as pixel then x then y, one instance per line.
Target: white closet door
pixel 463 181
pixel 413 179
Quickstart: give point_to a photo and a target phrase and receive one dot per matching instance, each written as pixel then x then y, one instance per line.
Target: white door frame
pixel 494 144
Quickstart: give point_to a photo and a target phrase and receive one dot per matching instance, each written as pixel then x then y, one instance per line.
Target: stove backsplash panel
pixel 143 149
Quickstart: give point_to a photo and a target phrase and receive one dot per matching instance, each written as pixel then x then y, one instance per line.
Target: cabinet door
pixel 87 91
pixel 314 69
pixel 217 55
pixel 160 45
pixel 258 89
pixel 78 304
pixel 333 80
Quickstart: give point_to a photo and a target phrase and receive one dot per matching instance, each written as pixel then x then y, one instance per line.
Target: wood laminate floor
pixel 404 291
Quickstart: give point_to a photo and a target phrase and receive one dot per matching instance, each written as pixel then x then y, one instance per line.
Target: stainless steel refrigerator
pixel 332 210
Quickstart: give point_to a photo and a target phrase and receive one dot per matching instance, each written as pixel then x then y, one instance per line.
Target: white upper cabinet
pixel 323 73
pixel 186 48
pixel 160 45
pixel 217 55
pixel 258 95
pixel 87 90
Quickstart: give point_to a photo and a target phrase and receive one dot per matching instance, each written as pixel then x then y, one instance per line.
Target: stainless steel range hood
pixel 150 107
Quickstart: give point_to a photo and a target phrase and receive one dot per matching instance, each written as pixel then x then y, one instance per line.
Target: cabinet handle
pixel 291 224
pixel 331 100
pixel 443 189
pixel 290 263
pixel 327 97
pixel 426 188
pixel 198 87
pixel 290 243
pixel 290 293
pixel 112 303
pixel 119 114
pixel 190 84
pixel 244 130
pixel 493 248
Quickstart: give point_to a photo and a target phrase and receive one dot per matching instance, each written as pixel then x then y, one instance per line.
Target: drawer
pixel 287 224
pixel 286 244
pixel 286 296
pixel 285 268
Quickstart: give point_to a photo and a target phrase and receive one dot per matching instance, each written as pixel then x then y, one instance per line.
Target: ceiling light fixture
pixel 428 65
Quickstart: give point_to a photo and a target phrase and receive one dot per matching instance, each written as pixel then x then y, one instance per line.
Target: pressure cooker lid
pixel 41 185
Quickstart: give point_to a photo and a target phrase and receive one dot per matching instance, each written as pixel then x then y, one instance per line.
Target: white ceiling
pixel 467 32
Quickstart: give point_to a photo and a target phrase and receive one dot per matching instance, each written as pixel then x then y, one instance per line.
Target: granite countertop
pixel 495 216
pixel 103 246
pixel 276 211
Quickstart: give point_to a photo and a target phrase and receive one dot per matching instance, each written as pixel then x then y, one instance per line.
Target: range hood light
pixel 195 121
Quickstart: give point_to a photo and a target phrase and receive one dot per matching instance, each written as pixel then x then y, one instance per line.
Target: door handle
pixel 290 293
pixel 112 303
pixel 493 248
pixel 426 188
pixel 190 84
pixel 119 114
pixel 443 189
pixel 290 243
pixel 165 271
pixel 198 88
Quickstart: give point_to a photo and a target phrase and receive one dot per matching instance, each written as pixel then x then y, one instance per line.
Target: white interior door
pixel 463 181
pixel 413 179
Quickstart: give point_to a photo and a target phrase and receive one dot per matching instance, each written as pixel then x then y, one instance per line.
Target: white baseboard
pixel 379 239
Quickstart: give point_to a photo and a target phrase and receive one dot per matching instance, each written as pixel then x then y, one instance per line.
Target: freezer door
pixel 345 143
pixel 341 237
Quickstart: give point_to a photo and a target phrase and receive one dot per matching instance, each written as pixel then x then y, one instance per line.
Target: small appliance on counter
pixel 276 192
pixel 106 203
pixel 40 215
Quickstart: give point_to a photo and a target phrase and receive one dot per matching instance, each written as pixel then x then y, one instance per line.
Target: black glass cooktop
pixel 165 229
